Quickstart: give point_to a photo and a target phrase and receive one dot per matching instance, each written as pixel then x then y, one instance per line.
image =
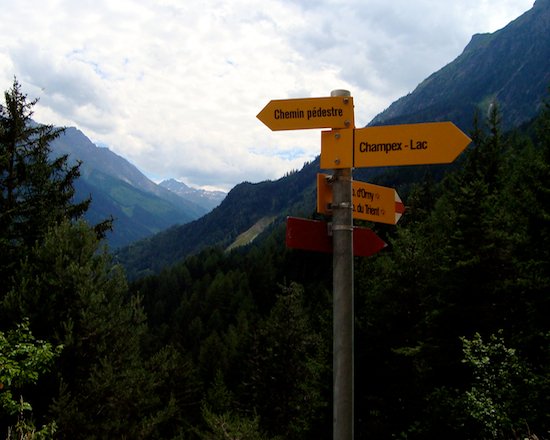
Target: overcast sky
pixel 174 86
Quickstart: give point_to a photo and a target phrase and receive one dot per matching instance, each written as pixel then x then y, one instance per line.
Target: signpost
pixel 342 148
pixel 373 203
pixel 408 144
pixel 303 113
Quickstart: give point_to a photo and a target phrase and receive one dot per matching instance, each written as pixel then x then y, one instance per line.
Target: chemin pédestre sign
pixel 304 113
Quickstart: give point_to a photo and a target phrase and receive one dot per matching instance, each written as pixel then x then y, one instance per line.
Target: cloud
pixel 175 86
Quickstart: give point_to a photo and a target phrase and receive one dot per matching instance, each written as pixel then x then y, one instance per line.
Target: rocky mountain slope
pixel 139 207
pixel 510 68
pixel 204 198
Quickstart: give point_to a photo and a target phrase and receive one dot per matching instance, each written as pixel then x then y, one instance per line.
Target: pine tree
pixel 102 387
pixel 36 190
pixel 56 273
pixel 287 364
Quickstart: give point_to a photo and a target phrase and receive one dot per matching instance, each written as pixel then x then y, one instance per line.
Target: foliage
pixel 470 257
pixel 451 341
pixel 58 277
pixel 499 380
pixel 472 260
pixel 288 364
pixel 257 349
pixel 22 360
pixel 103 385
pixel 221 421
pixel 35 190
pixel 230 427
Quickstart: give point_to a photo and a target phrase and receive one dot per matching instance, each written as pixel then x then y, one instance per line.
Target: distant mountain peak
pixel 477 41
pixel 172 181
pixel 207 199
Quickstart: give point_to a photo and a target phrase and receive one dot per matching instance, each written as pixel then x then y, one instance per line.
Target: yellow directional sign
pixel 408 144
pixel 301 113
pixel 373 203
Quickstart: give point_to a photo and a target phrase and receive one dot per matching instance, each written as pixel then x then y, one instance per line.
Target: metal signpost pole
pixel 342 239
pixel 348 147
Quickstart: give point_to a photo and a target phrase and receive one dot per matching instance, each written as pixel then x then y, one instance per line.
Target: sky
pixel 174 86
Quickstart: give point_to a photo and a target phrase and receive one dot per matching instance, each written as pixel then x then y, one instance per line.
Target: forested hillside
pixel 452 336
pixel 245 205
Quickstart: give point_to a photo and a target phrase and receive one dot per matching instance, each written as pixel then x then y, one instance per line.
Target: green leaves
pixel 23 359
pixel 504 392
pixel 473 260
pixel 228 426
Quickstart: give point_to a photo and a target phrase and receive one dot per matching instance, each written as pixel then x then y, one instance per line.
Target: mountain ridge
pixel 139 207
pixel 509 67
pixel 455 93
pixel 202 197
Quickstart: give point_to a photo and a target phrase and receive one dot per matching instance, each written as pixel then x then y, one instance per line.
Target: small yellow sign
pixel 373 203
pixel 337 149
pixel 303 113
pixel 408 144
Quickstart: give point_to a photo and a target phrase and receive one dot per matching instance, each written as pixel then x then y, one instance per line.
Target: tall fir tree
pixel 36 190
pixel 57 275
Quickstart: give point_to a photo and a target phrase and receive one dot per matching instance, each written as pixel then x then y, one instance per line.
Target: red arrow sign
pixel 313 235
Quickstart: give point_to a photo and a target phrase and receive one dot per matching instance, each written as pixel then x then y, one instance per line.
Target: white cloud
pixel 175 86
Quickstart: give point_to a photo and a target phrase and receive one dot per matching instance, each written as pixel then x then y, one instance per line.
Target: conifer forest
pixel 452 318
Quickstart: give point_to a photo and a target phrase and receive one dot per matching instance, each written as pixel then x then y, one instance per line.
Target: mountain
pixel 204 198
pixel 247 211
pixel 247 205
pixel 139 207
pixel 510 66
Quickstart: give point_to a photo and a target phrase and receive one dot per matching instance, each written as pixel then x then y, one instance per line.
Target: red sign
pixel 313 235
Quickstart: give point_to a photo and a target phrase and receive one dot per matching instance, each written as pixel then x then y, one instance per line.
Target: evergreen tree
pixel 473 265
pixel 287 365
pixel 36 190
pixel 102 386
pixel 57 275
